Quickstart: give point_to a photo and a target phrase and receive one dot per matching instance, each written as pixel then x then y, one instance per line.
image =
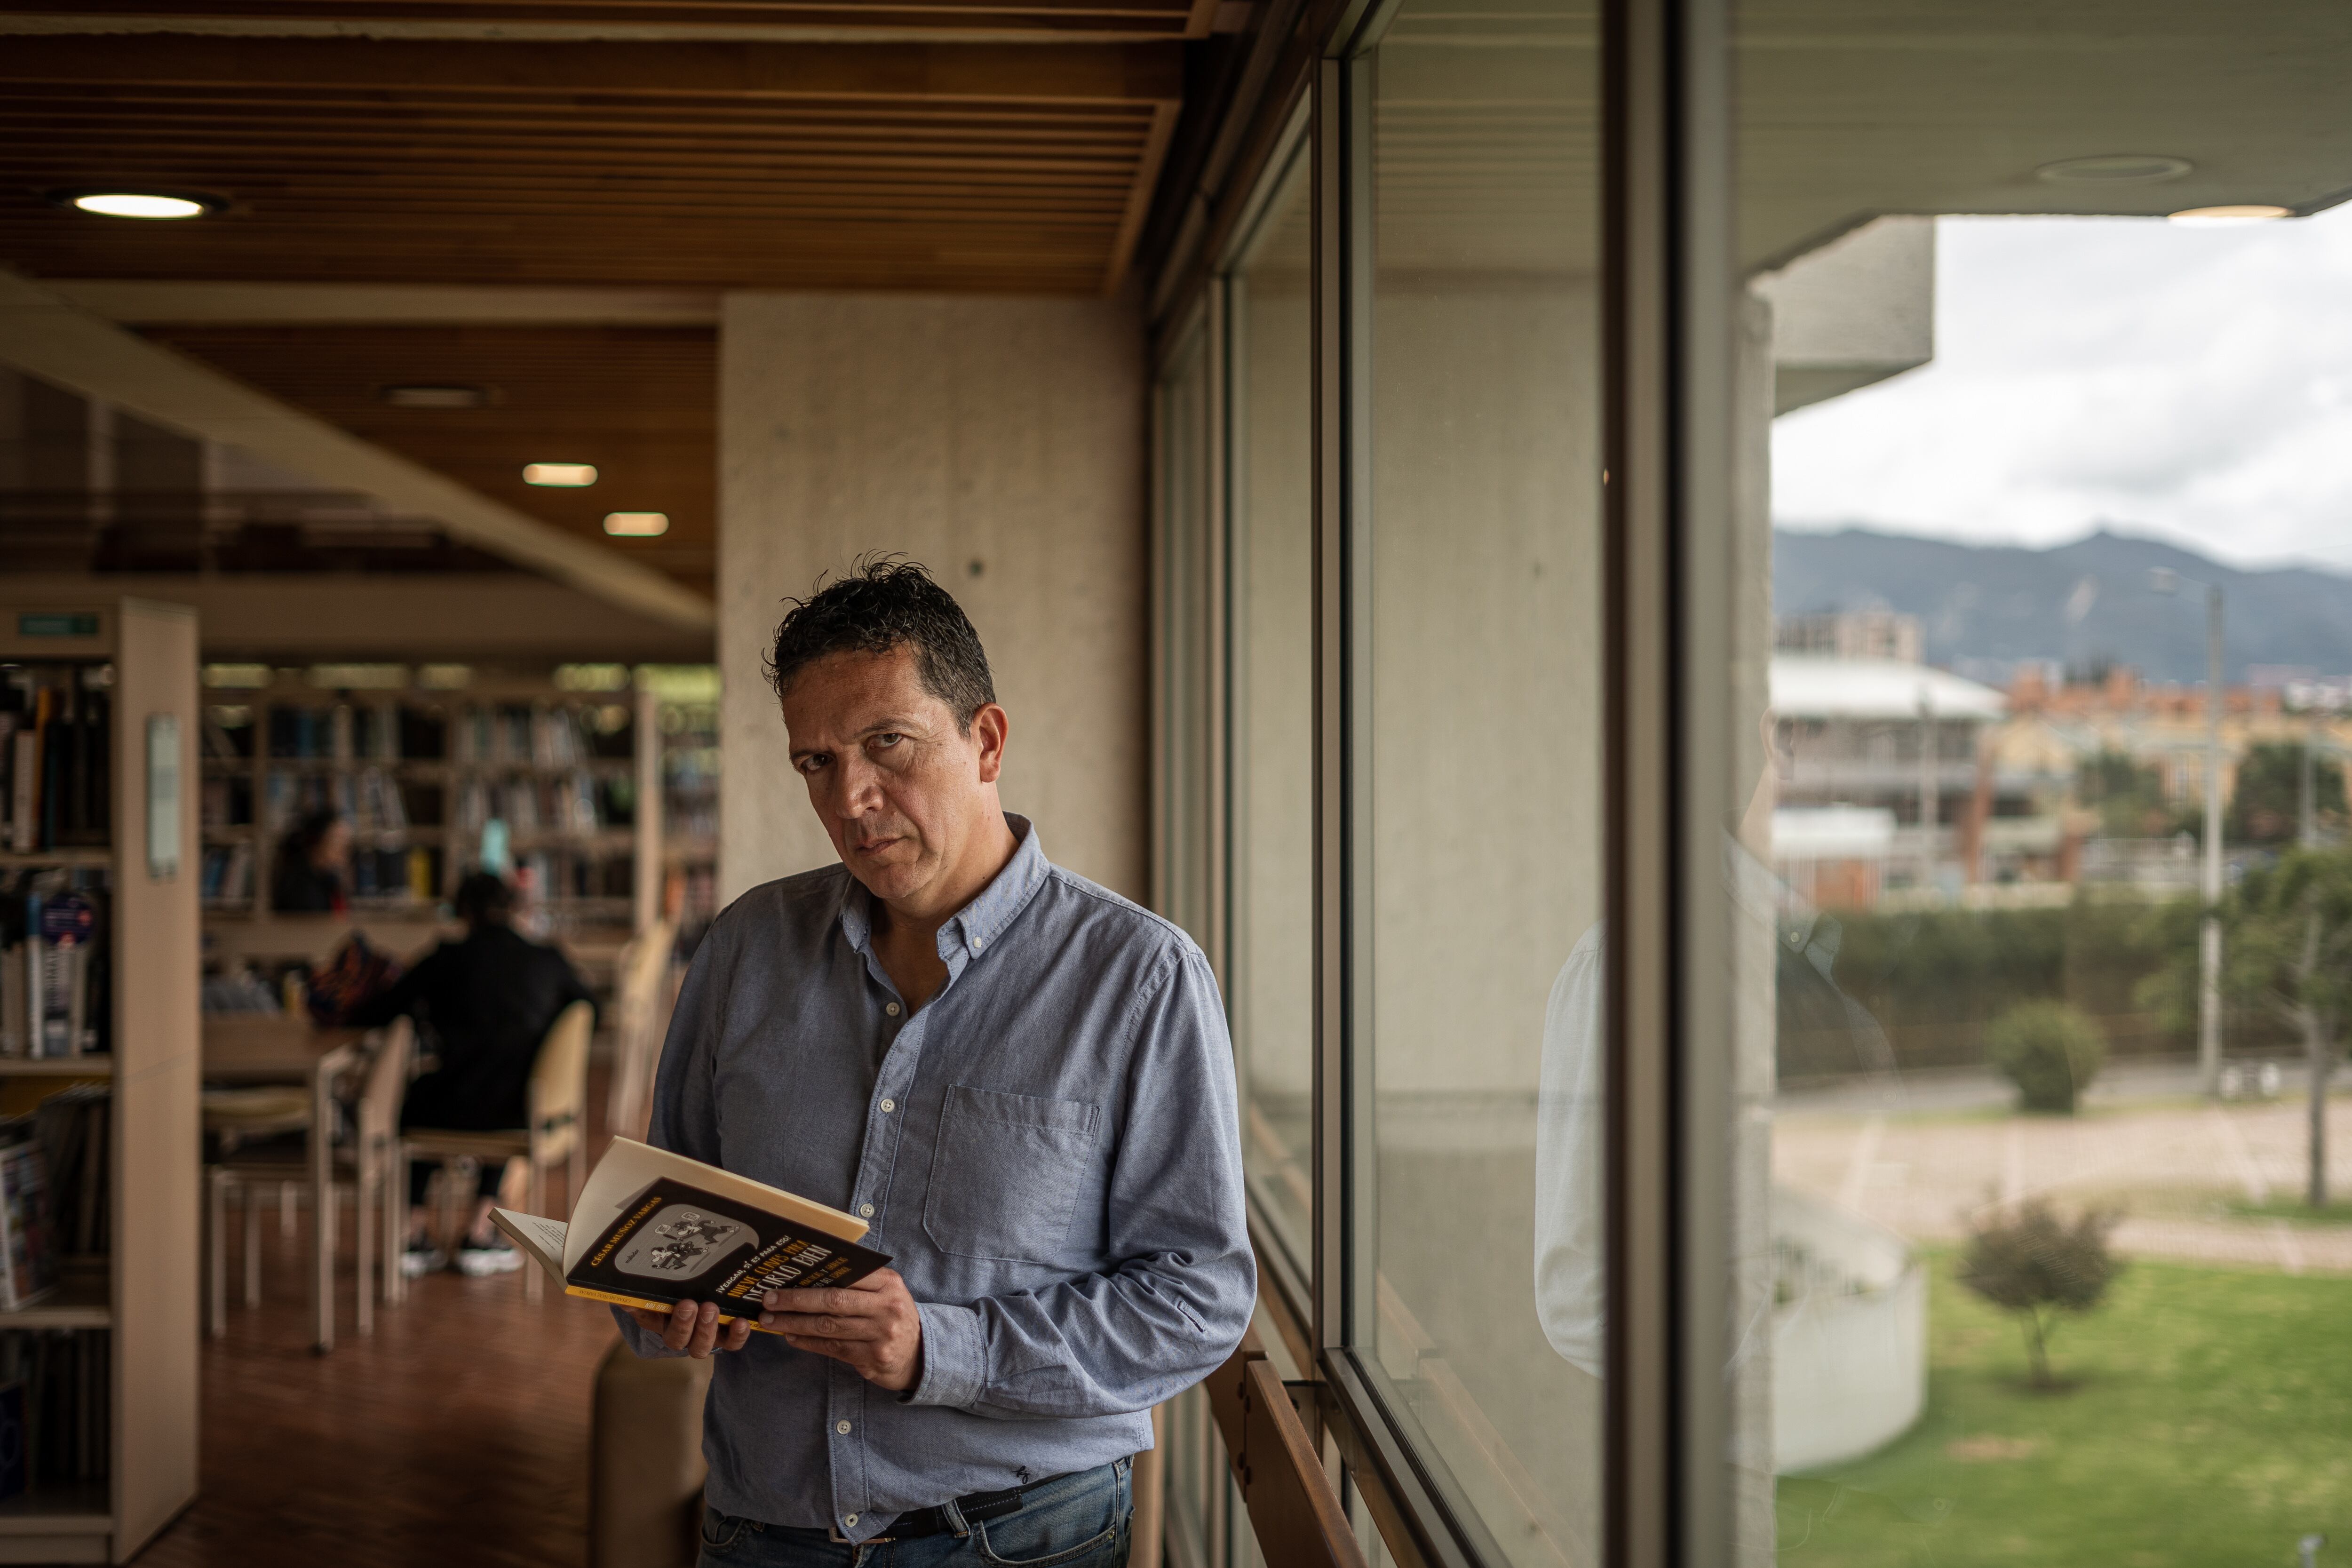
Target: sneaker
pixel 422 1258
pixel 496 1256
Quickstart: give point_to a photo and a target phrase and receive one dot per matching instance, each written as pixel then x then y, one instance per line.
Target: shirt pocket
pixel 1007 1172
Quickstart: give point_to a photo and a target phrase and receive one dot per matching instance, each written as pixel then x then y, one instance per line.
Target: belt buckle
pixel 832 1533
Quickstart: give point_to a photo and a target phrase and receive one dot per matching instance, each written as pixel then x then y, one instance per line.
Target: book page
pixel 539 1236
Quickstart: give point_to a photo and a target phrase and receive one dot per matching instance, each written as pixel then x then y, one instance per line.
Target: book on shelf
pixel 653 1228
pixel 56 740
pixel 227 874
pixel 54 963
pixel 29 1259
pixel 55 1404
pixel 73 1127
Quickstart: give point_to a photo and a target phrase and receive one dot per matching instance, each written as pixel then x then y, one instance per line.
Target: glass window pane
pixel 2038 1274
pixel 1271 458
pixel 1484 786
pixel 1184 869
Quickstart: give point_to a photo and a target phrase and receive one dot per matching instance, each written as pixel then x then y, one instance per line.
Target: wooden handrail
pixel 1293 1507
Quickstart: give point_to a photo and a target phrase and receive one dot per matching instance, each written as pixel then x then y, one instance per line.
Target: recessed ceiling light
pixel 571 475
pixel 636 524
pixel 2218 217
pixel 2114 169
pixel 140 204
pixel 435 396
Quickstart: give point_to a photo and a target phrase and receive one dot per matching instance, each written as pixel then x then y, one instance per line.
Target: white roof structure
pixel 1833 833
pixel 1807 686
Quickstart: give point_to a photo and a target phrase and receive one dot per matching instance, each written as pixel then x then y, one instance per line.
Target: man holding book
pixel 1019 1080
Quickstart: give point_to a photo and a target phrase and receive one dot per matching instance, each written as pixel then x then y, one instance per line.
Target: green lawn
pixel 2210 1426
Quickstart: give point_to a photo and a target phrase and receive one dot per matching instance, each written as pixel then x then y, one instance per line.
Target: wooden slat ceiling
pixel 962 18
pixel 927 166
pixel 641 404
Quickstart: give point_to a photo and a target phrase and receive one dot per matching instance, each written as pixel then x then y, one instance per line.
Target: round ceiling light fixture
pixel 2114 169
pixel 2225 218
pixel 164 205
pixel 636 524
pixel 570 476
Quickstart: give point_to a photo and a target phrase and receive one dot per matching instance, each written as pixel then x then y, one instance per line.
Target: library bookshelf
pixel 679 703
pixel 418 766
pixel 142 1291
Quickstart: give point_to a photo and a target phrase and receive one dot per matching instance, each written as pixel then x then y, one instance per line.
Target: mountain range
pixel 1984 608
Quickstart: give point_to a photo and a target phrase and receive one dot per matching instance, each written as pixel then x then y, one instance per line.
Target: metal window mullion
pixel 1666 512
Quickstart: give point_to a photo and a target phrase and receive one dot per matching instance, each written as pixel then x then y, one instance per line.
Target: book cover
pixel 654 1228
pixel 28 1263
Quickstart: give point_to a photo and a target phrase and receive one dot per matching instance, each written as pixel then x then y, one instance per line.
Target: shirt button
pixel 849 1520
pixel 888 1106
pixel 977 944
pixel 891 1008
pixel 866 1211
pixel 842 1428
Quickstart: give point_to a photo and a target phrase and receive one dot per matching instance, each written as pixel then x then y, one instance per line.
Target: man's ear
pixel 990 727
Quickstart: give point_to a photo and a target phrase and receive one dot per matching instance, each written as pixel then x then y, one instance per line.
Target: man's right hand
pixel 693 1327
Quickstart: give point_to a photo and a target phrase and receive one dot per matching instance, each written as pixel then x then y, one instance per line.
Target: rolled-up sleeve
pixel 683 1116
pixel 1181 1293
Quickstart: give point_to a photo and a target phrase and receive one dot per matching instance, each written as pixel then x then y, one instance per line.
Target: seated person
pixel 487 1001
pixel 311 862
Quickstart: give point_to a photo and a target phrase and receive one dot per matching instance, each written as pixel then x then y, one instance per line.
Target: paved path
pixel 2174 1166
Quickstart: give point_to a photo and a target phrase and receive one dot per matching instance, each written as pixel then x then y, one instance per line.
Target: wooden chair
pixel 641 997
pixel 557 1127
pixel 363 1165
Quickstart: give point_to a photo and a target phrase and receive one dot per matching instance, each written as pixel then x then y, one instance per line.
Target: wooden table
pixel 271 1048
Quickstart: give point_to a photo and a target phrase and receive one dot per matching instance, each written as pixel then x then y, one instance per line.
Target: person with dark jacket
pixel 313 866
pixel 486 1003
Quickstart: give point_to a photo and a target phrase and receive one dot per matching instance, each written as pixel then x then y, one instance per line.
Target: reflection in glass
pixel 1270 368
pixel 2027 1296
pixel 1484 782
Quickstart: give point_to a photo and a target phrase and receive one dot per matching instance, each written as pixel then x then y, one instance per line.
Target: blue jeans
pixel 1077 1521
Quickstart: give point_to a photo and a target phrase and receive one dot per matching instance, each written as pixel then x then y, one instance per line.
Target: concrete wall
pixel 1001 442
pixel 1850 1342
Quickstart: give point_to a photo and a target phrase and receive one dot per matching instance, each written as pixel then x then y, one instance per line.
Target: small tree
pixel 2266 805
pixel 2032 1265
pixel 2051 1050
pixel 2288 947
pixel 2127 795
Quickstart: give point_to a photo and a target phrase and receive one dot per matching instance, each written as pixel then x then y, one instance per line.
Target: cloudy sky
pixel 2188 384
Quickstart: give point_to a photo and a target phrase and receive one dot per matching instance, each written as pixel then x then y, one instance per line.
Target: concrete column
pixel 1000 442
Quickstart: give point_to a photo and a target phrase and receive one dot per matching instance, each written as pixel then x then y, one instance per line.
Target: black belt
pixel 974 1508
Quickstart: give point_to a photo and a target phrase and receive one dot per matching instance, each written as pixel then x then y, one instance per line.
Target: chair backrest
pixel 642 987
pixel 386 1083
pixel 559 1076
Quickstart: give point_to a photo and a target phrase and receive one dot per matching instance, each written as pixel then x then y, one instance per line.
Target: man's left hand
pixel 872 1326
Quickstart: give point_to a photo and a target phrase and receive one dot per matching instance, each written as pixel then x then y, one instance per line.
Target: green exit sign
pixel 57 625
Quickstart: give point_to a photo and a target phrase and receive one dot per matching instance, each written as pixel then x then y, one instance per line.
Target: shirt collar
pixel 980 922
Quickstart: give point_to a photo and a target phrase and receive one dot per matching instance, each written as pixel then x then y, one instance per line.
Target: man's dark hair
pixel 484 898
pixel 887 601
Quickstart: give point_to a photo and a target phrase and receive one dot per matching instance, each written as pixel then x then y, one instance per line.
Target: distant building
pixel 1854 634
pixel 1881 779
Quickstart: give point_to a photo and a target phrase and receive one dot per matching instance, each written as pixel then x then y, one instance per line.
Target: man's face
pixel 902 790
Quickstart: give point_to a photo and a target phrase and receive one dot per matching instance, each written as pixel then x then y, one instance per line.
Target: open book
pixel 653 1228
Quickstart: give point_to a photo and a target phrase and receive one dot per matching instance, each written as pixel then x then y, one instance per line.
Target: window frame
pixel 1666 451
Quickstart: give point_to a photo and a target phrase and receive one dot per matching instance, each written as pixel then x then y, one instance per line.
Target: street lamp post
pixel 2208 944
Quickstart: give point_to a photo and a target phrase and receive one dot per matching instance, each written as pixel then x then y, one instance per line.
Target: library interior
pixel 1352 428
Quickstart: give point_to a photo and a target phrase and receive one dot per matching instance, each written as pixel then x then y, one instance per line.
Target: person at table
pixel 1021 1079
pixel 486 1001
pixel 314 867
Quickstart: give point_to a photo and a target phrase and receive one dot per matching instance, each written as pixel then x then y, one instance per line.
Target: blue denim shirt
pixel 1049 1151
